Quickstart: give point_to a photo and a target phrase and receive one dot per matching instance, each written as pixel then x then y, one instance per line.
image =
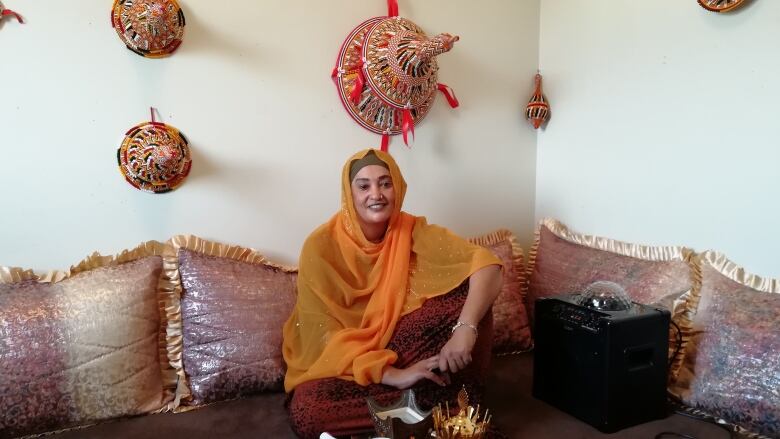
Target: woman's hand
pixel 456 354
pixel 484 286
pixel 405 378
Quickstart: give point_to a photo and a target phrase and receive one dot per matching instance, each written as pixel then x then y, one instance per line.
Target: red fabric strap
pixel 360 81
pixel 10 12
pixel 449 94
pixel 154 121
pixel 407 125
pixel 385 142
pixel 392 8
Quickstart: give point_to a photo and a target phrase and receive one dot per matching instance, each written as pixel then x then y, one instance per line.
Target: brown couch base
pixel 515 413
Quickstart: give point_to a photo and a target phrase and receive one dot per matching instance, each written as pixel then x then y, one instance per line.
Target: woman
pixel 363 324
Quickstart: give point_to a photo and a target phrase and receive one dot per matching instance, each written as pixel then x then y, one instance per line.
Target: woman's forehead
pixel 372 172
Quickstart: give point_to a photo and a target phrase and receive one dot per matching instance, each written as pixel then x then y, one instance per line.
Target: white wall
pixel 664 126
pixel 250 87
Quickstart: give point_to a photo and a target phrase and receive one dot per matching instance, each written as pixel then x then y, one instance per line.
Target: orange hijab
pixel 351 292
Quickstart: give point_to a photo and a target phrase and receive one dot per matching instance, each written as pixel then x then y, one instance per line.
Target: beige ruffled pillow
pixel 86 345
pixel 562 262
pixel 731 369
pixel 511 330
pixel 234 305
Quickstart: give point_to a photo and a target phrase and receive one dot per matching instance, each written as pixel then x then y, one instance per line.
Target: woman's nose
pixel 375 193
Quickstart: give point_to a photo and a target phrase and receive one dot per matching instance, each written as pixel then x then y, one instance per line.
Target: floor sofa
pixel 516 415
pixel 182 339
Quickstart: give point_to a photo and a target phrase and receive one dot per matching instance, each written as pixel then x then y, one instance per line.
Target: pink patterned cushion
pixel 732 366
pixel 563 262
pixel 81 350
pixel 562 266
pixel 511 331
pixel 233 313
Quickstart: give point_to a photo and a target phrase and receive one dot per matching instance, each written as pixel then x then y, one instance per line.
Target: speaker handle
pixel 639 357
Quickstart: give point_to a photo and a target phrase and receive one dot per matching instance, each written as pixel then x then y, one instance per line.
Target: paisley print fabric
pixel 563 262
pixel 564 267
pixel 233 313
pixel 732 366
pixel 81 350
pixel 511 328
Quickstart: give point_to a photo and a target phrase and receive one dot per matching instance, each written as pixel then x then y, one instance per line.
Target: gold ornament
pixel 465 425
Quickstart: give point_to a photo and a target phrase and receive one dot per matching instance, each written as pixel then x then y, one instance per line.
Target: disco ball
pixel 605 296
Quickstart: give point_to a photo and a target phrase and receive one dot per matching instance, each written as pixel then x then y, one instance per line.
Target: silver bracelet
pixel 459 324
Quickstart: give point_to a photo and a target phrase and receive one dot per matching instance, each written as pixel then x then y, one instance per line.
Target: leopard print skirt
pixel 339 407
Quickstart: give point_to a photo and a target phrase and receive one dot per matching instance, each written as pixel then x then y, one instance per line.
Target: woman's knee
pixel 303 410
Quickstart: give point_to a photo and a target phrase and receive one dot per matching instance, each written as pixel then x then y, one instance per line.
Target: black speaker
pixel 607 368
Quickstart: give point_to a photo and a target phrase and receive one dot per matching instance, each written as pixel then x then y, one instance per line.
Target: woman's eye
pixel 387 184
pixel 363 187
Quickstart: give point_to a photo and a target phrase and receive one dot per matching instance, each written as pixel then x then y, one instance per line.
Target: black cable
pixel 709 419
pixel 698 418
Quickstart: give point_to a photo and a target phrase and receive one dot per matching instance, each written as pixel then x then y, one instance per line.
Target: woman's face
pixel 373 195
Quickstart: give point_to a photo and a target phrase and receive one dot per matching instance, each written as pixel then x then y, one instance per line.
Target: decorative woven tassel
pixel 537 110
pixel 385 142
pixel 407 124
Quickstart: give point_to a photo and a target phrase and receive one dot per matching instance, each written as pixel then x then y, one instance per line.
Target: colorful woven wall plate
pixel 365 106
pixel 720 5
pixel 387 75
pixel 150 28
pixel 154 157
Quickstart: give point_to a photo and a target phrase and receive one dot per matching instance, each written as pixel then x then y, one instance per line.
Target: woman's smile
pixel 377 206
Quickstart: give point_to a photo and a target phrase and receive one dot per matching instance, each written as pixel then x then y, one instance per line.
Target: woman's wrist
pixel 387 375
pixel 462 324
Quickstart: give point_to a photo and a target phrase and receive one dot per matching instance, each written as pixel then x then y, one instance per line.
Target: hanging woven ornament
pixel 537 110
pixel 720 5
pixel 150 28
pixel 387 75
pixel 9 13
pixel 154 157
